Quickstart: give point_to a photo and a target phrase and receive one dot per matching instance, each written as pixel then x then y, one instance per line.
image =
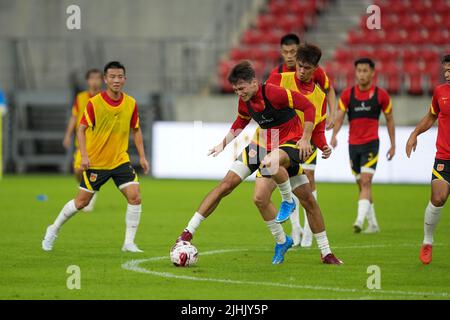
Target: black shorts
pixel 364 157
pixel 441 170
pixel 253 154
pixel 122 175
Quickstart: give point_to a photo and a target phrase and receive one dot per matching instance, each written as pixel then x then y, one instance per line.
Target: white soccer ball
pixel 183 254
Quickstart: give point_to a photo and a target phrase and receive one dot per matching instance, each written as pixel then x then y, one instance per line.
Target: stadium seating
pixel 260 43
pixel 407 50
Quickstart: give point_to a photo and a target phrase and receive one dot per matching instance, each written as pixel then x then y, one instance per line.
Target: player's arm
pixel 331 98
pixel 71 125
pixel 391 131
pixel 69 131
pixel 87 121
pixel 342 110
pixel 81 136
pixel 242 120
pixel 423 126
pixel 319 140
pixel 138 140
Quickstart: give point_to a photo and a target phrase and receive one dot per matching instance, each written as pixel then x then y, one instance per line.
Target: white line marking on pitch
pixel 133 265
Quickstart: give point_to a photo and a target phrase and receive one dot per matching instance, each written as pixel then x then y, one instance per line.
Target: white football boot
pixel 371 228
pixel 49 238
pixel 131 247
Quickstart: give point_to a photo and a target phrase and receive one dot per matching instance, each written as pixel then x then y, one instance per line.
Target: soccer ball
pixel 183 254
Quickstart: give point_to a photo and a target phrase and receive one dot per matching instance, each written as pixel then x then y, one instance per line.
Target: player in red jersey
pixel 272 107
pixel 440 178
pixel 288 48
pixel 363 103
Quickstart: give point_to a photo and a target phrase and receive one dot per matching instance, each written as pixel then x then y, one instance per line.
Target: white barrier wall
pixel 180 151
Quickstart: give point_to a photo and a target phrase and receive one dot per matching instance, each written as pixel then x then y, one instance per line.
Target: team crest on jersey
pixel 252 153
pixel 93 177
pixel 440 167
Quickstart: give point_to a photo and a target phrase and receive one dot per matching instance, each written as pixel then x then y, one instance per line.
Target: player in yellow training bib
pixel 94 82
pixel 103 136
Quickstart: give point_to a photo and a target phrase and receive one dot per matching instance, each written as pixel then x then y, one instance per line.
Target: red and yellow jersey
pixel 319 76
pixel 440 107
pixel 314 94
pixel 278 99
pixel 109 122
pixel 79 105
pixel 363 109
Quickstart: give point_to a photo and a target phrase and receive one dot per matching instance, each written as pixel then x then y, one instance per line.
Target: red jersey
pixel 319 76
pixel 282 100
pixel 363 109
pixel 314 94
pixel 440 106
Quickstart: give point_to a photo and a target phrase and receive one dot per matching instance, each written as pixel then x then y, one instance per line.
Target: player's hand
pixel 216 150
pixel 390 154
pixel 333 142
pixel 305 148
pixel 144 165
pixel 66 142
pixel 329 124
pixel 326 152
pixel 85 163
pixel 411 145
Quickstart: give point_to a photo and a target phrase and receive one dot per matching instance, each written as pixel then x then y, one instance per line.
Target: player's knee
pixel 134 199
pixel 80 203
pixel 365 183
pixel 438 199
pixel 260 201
pixel 225 188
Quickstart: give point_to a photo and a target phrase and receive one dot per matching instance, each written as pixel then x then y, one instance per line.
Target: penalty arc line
pixel 134 265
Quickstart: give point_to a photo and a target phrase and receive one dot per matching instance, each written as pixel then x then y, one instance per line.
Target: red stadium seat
pixel 273 56
pixel 414 83
pixel 266 22
pixel 252 37
pixel 238 54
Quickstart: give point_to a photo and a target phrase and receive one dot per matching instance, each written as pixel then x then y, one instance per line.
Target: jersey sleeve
pixel 88 118
pixel 275 79
pixel 318 136
pixel 243 117
pixel 344 100
pixel 320 77
pixel 385 101
pixel 134 123
pixel 434 107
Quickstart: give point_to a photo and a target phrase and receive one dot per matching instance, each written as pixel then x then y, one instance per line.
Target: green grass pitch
pixel 92 241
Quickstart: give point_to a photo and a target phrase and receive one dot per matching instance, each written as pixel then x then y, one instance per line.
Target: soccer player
pixel 440 178
pixel 308 57
pixel 273 108
pixel 288 47
pixel 363 104
pixel 94 80
pixel 103 137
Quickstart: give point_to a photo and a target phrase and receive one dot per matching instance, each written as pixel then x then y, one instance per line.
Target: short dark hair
pixel 242 71
pixel 365 61
pixel 309 53
pixel 91 72
pixel 446 58
pixel 290 38
pixel 113 65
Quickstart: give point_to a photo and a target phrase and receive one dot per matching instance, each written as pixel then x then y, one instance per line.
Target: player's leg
pixel 264 188
pixel 246 163
pixel 126 179
pixel 355 164
pixel 275 165
pixel 439 194
pixel 68 211
pixel 78 173
pixel 303 191
pixel 369 160
pixel 307 238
